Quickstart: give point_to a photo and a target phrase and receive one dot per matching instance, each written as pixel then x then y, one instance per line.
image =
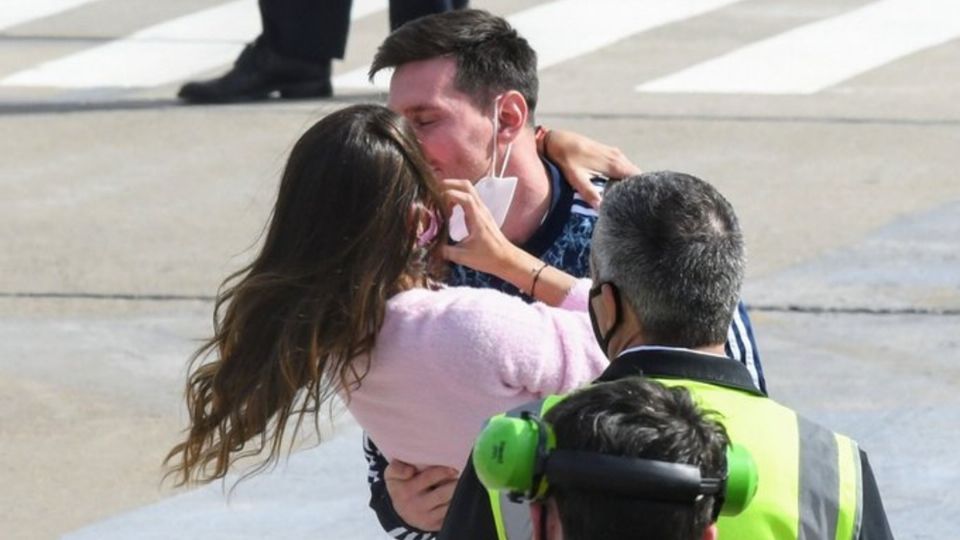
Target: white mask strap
pixel 496 129
pixel 506 159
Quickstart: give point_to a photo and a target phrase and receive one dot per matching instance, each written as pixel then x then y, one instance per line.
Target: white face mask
pixel 496 192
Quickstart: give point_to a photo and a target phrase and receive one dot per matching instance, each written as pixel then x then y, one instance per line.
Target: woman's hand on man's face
pixel 485 248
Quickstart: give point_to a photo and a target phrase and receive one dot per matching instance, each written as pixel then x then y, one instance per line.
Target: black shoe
pixel 258 73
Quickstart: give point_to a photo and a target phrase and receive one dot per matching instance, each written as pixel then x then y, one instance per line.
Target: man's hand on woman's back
pixel 420 497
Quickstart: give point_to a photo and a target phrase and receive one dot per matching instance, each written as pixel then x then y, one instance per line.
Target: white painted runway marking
pixel 167 52
pixel 566 29
pixel 14 12
pixel 810 58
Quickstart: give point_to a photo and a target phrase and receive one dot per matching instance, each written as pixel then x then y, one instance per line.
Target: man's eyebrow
pixel 420 109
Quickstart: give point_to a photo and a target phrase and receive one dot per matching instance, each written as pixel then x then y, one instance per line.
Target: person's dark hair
pixel 672 246
pixel 636 417
pixel 296 325
pixel 491 56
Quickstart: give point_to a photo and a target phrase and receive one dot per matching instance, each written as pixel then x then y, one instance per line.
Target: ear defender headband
pixel 518 455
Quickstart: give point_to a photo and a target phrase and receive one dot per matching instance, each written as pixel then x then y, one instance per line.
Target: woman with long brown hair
pixel 345 298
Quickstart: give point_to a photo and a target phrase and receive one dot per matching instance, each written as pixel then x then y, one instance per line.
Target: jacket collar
pixel 561 202
pixel 674 363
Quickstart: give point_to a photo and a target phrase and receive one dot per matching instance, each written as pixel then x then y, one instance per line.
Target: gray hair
pixel 672 246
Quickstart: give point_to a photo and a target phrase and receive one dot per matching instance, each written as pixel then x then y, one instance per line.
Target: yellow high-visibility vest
pixel 809 477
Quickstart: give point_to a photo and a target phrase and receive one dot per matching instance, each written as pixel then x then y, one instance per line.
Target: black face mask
pixel 604 340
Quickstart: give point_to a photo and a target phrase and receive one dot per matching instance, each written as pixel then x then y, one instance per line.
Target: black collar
pixel 681 364
pixel 561 203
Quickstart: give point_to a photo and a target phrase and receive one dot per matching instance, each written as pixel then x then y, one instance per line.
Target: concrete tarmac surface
pixel 122 210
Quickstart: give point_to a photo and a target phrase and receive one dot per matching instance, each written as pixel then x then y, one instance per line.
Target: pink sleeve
pixel 578 296
pixel 524 347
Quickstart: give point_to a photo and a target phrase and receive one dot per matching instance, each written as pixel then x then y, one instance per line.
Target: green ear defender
pixel 518 455
pixel 741 481
pixel 510 452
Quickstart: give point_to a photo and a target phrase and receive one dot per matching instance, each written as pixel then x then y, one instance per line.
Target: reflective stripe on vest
pixel 822 492
pixel 851 491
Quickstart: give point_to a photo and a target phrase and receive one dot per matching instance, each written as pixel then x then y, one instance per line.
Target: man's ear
pixel 608 305
pixel 710 533
pixel 513 113
pixel 554 526
pixel 536 510
pixel 554 523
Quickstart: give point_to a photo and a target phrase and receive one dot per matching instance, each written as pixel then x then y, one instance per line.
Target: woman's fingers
pixel 619 165
pixel 580 180
pixel 462 193
pixel 581 158
pixel 457 185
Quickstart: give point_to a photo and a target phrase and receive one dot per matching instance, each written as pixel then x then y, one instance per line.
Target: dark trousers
pixel 316 30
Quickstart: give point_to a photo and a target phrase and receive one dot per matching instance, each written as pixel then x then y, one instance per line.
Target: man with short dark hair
pixel 672 246
pixel 667 266
pixel 468 83
pixel 456 78
pixel 634 418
